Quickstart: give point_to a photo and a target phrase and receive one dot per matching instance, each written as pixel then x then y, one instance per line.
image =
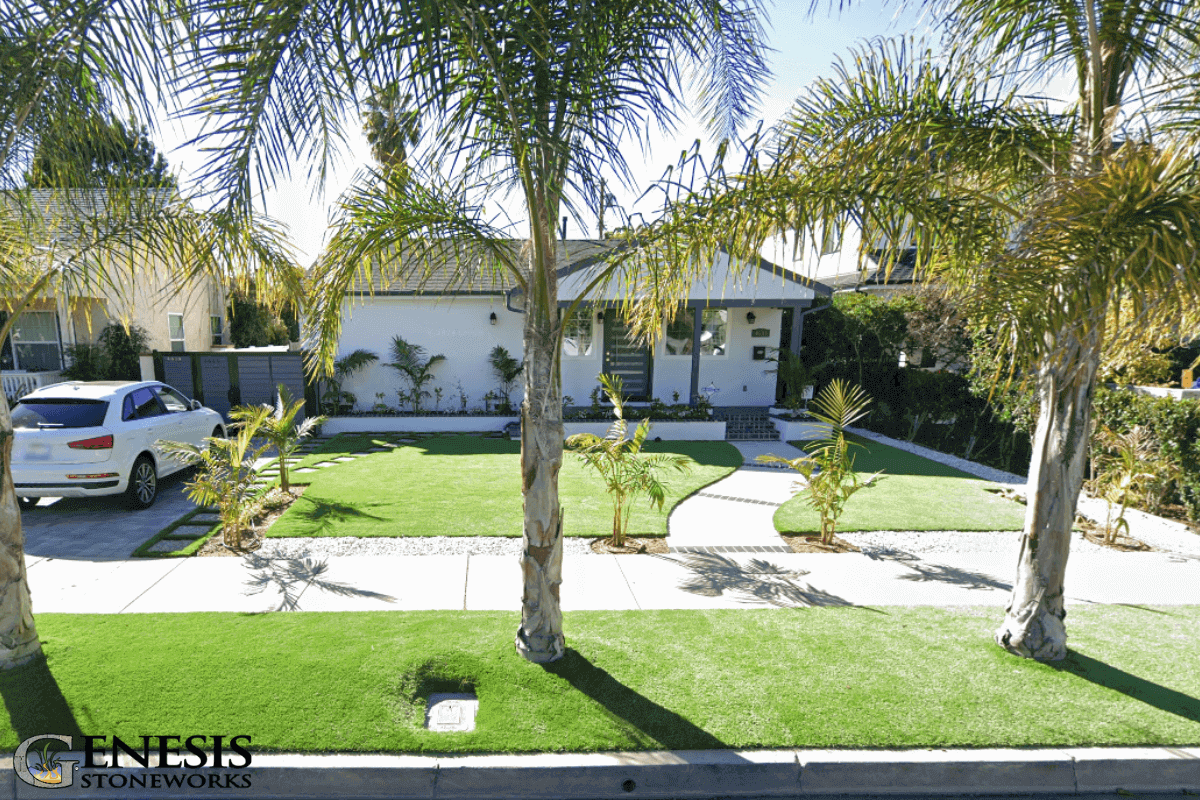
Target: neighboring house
pixel 718 345
pixel 175 320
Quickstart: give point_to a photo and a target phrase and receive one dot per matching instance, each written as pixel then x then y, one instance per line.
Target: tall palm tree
pixel 536 98
pixel 70 65
pixel 1045 223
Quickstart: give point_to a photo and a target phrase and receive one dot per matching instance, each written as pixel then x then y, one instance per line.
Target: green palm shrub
pixel 409 360
pixel 507 370
pixel 345 367
pixel 627 473
pixel 1126 469
pixel 225 474
pixel 280 429
pixel 828 469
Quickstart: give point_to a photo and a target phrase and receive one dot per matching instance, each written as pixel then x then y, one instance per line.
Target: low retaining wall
pixel 666 430
pixel 800 430
pixel 415 424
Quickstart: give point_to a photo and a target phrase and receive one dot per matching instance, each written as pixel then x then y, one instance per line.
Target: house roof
pixel 903 273
pixel 456 270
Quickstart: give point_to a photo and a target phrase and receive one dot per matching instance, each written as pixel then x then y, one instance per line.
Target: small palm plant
pixel 409 360
pixel 626 472
pixel 828 469
pixel 1126 465
pixel 343 369
pixel 280 430
pixel 507 370
pixel 225 477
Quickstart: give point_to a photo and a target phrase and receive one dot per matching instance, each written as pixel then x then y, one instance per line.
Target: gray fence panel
pixel 289 370
pixel 177 372
pixel 254 377
pixel 214 376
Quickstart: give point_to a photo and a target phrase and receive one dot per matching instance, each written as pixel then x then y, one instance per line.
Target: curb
pixel 673 774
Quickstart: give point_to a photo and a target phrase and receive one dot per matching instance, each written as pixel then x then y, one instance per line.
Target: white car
pixel 85 439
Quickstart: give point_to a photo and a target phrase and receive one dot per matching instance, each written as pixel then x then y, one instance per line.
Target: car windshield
pixel 68 412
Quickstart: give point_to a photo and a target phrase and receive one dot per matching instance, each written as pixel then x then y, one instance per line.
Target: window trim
pixel 220 333
pixel 686 313
pixel 728 331
pixel 183 328
pixel 588 313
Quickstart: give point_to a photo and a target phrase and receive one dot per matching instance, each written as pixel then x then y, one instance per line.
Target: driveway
pixel 100 528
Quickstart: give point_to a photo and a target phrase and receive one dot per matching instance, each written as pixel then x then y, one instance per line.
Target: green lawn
pixel 912 494
pixel 806 678
pixel 463 485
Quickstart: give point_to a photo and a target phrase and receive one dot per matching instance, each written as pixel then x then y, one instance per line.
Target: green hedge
pixel 1174 425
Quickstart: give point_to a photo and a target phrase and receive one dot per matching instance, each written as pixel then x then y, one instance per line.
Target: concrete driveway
pixel 100 528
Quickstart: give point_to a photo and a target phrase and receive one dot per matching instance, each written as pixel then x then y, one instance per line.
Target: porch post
pixel 697 315
pixel 797 330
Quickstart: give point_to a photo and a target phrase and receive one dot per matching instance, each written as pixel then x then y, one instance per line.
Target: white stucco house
pixel 717 347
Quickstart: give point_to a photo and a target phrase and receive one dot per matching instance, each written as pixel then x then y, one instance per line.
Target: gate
pixel 224 380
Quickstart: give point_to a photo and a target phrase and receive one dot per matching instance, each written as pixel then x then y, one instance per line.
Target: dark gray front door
pixel 623 357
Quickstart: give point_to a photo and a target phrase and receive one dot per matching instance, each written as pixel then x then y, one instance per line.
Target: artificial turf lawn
pixel 912 494
pixel 805 678
pixel 463 485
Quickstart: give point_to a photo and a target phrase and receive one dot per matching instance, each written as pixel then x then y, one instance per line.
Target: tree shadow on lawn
pixel 35 703
pixel 321 515
pixel 647 722
pixel 759 580
pixel 1118 680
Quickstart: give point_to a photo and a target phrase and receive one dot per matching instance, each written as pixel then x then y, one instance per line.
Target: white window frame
pixel 728 331
pixel 687 315
pixel 182 329
pixel 56 342
pixel 589 314
pixel 220 325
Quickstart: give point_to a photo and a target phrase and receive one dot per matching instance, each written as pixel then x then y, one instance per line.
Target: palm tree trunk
pixel 18 636
pixel 1033 626
pixel 540 637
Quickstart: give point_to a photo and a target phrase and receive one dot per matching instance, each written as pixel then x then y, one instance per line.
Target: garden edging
pixel 668 430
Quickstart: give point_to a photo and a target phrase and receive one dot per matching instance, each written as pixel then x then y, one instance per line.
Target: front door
pixel 625 358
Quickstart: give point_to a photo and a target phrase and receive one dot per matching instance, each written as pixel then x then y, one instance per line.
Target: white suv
pixel 83 439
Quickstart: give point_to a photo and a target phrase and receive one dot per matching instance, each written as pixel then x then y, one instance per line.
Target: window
pixel 172 400
pixel 175 326
pixel 680 334
pixel 140 404
pixel 35 342
pixel 714 331
pixel 54 412
pixel 217 325
pixel 577 333
pixel 831 242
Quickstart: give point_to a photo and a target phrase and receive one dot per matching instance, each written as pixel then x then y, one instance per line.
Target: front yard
pixel 912 494
pixel 464 485
pixel 886 677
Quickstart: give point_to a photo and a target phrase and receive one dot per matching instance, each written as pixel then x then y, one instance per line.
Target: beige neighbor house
pixel 191 317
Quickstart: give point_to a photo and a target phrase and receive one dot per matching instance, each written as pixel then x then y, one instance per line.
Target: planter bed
pixel 667 430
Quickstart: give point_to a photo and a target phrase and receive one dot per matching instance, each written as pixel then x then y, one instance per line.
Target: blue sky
pixel 804 49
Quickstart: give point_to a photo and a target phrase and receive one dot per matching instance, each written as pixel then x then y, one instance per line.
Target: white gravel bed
pixel 408 546
pixel 1003 544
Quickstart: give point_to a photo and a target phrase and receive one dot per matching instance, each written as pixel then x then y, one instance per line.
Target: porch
pixel 18 383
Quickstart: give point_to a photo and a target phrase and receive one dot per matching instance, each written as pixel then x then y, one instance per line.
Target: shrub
pixel 116 356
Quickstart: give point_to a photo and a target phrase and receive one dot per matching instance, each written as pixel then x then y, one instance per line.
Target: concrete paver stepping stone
pixel 305 470
pixel 325 464
pixel 344 459
pixel 168 545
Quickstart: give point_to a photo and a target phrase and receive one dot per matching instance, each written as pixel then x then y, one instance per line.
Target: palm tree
pixel 410 361
pixel 537 98
pixel 618 459
pixel 83 66
pixel 1045 224
pixel 279 427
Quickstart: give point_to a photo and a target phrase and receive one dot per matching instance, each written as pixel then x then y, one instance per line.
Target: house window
pixel 175 327
pixel 681 332
pixel 578 338
pixel 35 342
pixel 831 242
pixel 714 331
pixel 218 327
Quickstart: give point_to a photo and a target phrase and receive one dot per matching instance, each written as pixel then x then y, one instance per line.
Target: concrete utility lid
pixel 451 712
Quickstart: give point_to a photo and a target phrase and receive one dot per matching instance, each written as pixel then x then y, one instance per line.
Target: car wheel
pixel 143 483
pixel 27 503
pixel 217 433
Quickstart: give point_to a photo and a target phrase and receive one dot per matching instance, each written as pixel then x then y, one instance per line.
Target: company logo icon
pixel 43 768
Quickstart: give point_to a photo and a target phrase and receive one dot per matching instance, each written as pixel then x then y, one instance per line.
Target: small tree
pixel 626 472
pixel 507 370
pixel 225 477
pixel 280 429
pixel 1124 466
pixel 409 360
pixel 828 469
pixel 343 369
